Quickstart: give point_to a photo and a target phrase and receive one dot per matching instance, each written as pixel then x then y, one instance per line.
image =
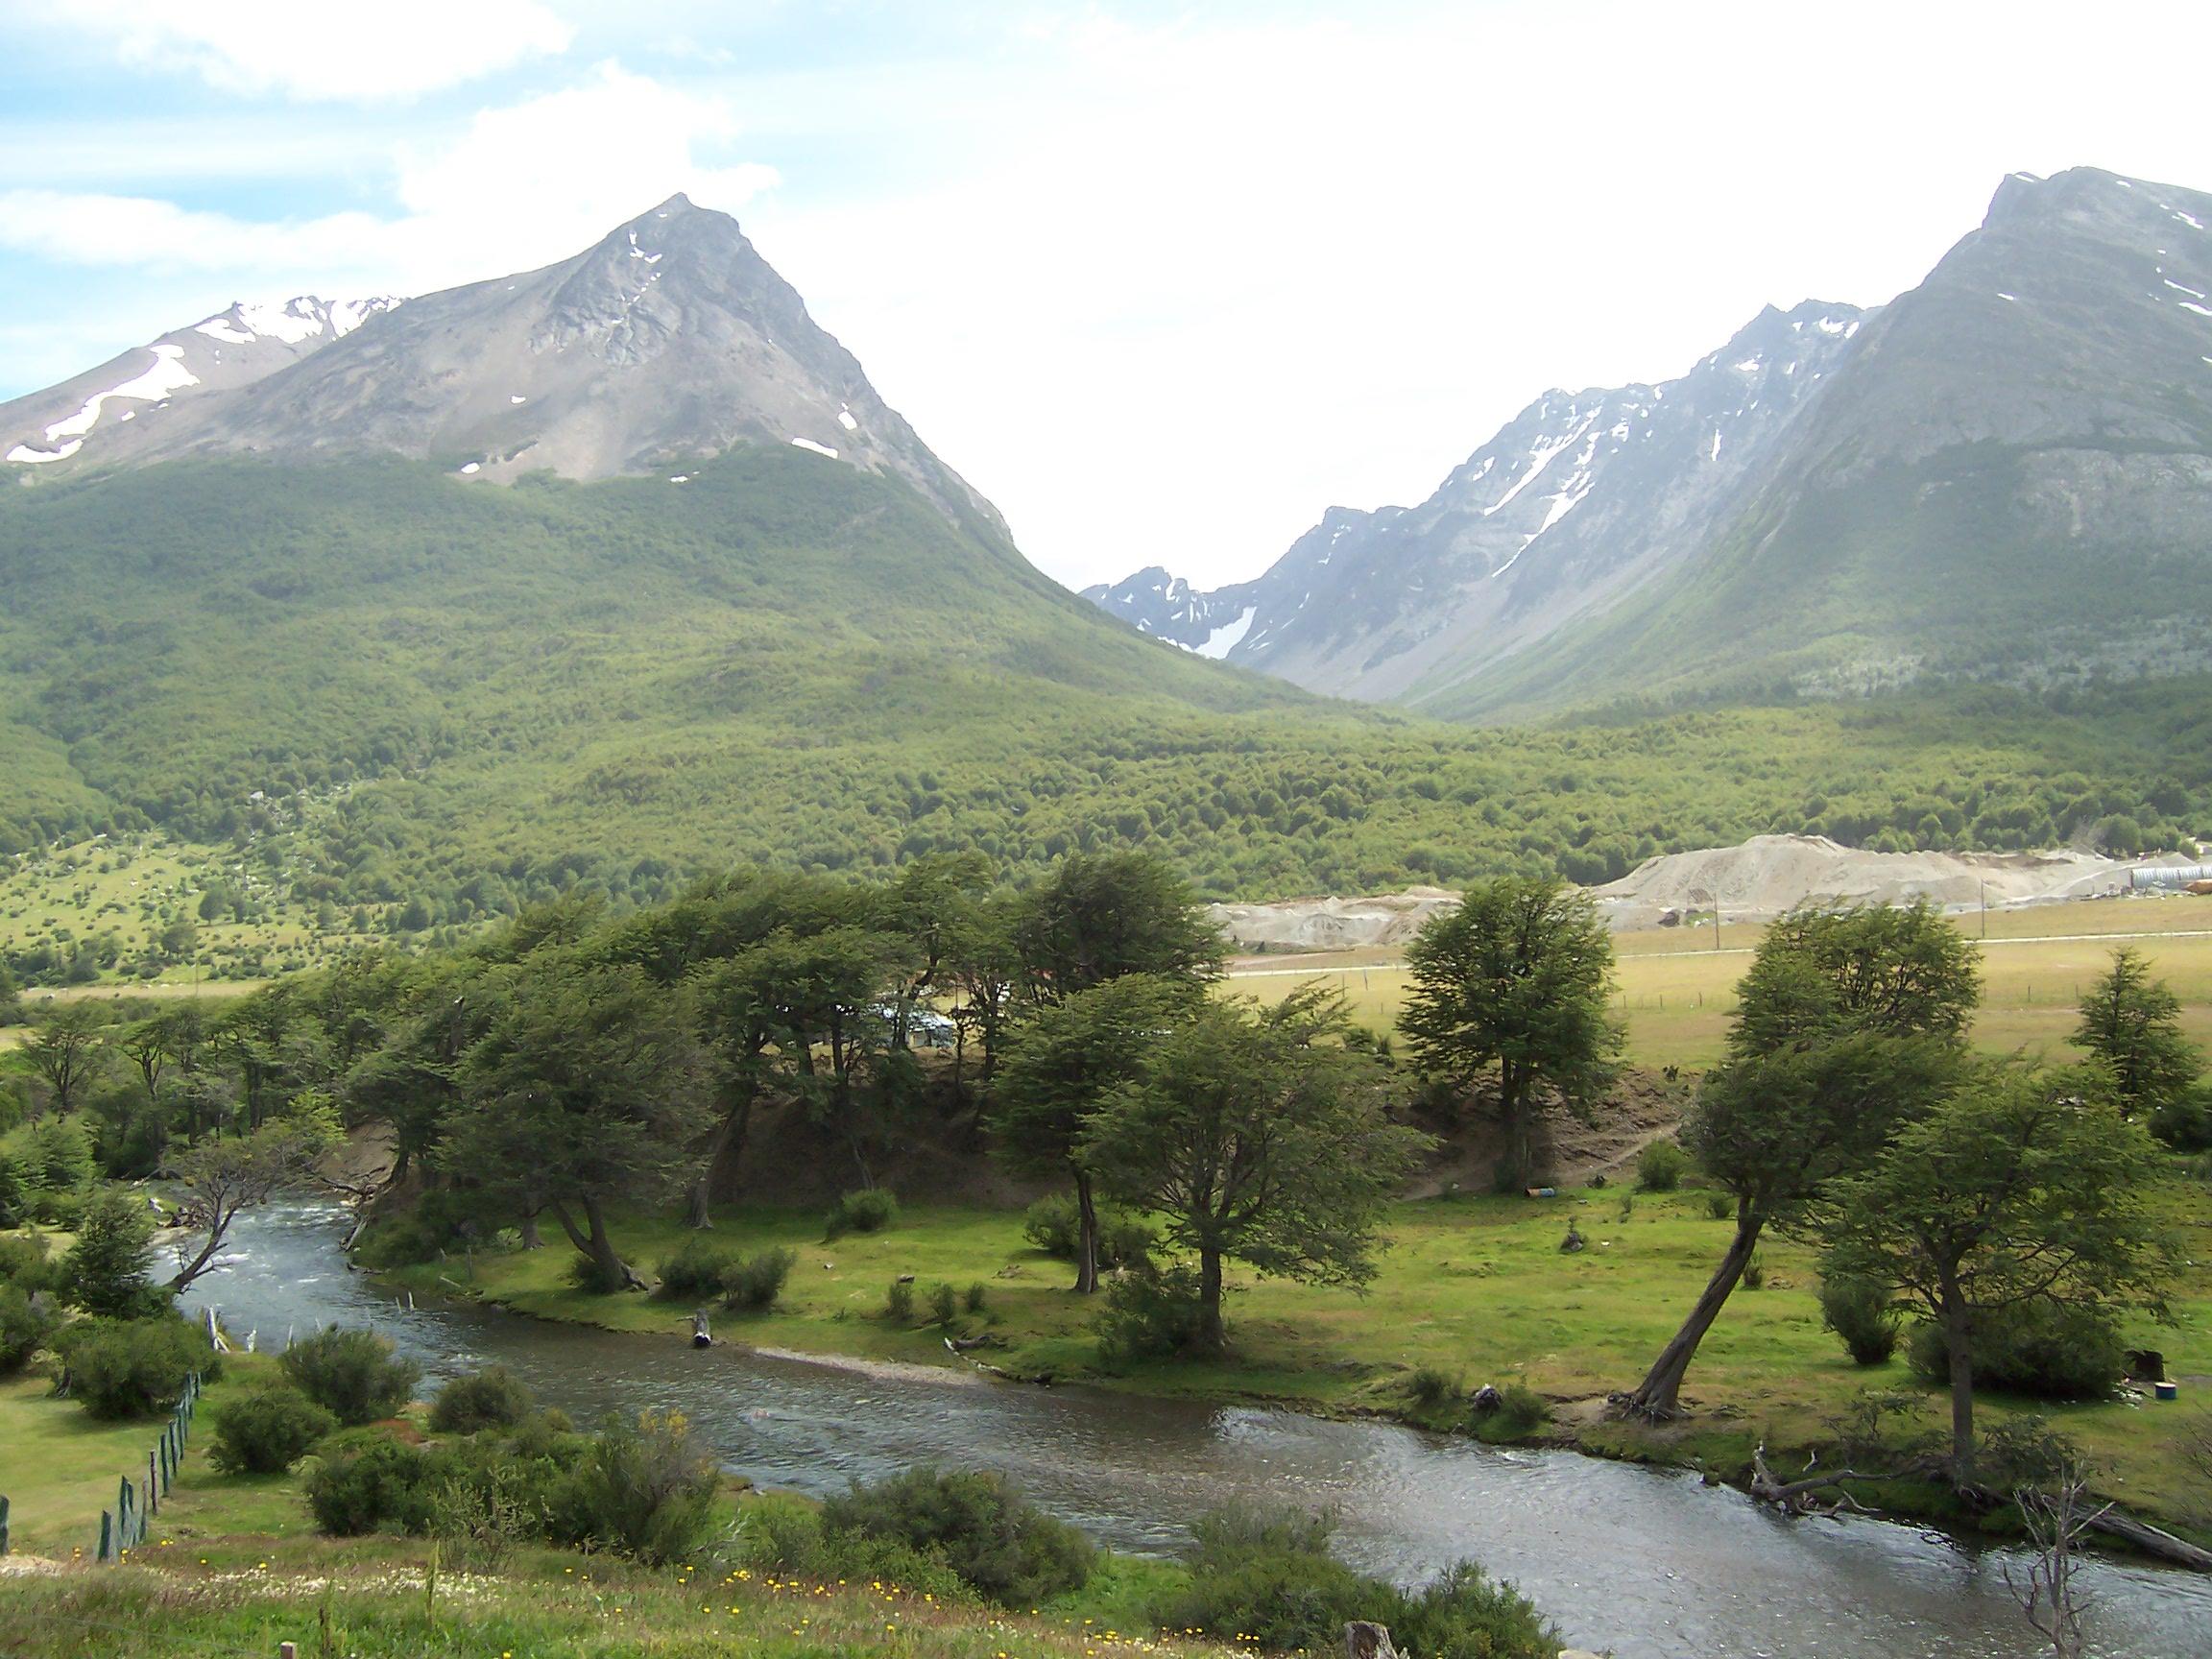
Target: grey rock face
pixel 666 343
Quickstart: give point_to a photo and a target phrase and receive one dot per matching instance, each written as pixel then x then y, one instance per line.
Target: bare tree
pixel 2056 1516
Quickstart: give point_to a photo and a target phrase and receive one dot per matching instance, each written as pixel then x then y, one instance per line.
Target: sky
pixel 1164 281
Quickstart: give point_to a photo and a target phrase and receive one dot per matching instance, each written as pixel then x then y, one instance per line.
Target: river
pixel 1649 1564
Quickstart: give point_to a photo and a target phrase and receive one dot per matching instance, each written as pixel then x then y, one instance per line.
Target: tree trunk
pixel 1086 1235
pixel 530 1239
pixel 1213 1337
pixel 218 1224
pixel 729 1130
pixel 1659 1395
pixel 599 1247
pixel 1959 1344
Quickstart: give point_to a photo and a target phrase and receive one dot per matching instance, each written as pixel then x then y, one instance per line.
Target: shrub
pixel 1466 1614
pixel 133 1367
pixel 363 1481
pixel 2045 1352
pixel 1149 1313
pixel 1719 1206
pixel 782 1532
pixel 24 1263
pixel 943 1304
pixel 2185 1122
pixel 899 1301
pixel 1520 1414
pixel 266 1432
pixel 479 1514
pixel 1862 1313
pixel 646 1490
pixel 353 1374
pixel 754 1284
pixel 1124 1240
pixel 979 1293
pixel 1754 1274
pixel 27 1319
pixel 870 1210
pixel 1003 1548
pixel 492 1398
pixel 1430 1386
pixel 694 1273
pixel 106 1270
pixel 1661 1167
pixel 1267 1580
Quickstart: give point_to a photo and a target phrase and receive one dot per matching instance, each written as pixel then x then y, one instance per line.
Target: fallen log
pixel 2149 1539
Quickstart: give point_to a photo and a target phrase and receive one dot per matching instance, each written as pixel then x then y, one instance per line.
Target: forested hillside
pixel 370 687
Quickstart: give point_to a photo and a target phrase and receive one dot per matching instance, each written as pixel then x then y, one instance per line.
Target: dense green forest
pixel 371 688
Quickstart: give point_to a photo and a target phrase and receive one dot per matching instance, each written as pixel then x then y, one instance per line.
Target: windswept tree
pixel 1257 1136
pixel 1511 987
pixel 585 1091
pixel 1101 915
pixel 2132 1023
pixel 1849 1022
pixel 983 968
pixel 217 1181
pixel 2024 1186
pixel 1061 1066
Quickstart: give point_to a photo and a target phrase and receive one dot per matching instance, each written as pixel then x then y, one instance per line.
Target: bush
pixel 1661 1167
pixel 266 1432
pixel 782 1532
pixel 1003 1548
pixel 754 1284
pixel 694 1273
pixel 646 1490
pixel 1754 1274
pixel 943 1304
pixel 1862 1313
pixel 2185 1122
pixel 2039 1349
pixel 24 1263
pixel 1269 1582
pixel 1520 1414
pixel 1149 1313
pixel 870 1210
pixel 978 1294
pixel 27 1319
pixel 1051 1225
pixel 492 1398
pixel 899 1301
pixel 365 1479
pixel 133 1367
pixel 1432 1387
pixel 353 1374
pixel 1719 1206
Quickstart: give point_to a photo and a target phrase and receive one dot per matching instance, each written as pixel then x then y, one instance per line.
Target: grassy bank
pixel 1474 1288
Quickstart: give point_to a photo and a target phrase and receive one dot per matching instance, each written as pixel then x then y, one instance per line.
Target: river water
pixel 1649 1564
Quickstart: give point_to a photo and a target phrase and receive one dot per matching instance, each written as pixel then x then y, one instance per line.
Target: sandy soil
pixel 1755 882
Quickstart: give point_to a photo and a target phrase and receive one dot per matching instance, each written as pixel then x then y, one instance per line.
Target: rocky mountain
pixel 226 352
pixel 666 344
pixel 2003 474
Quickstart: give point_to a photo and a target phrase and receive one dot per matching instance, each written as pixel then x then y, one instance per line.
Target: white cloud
pixel 395 49
pixel 517 187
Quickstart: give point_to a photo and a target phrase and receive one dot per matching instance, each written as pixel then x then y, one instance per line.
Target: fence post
pixel 107 1537
pixel 153 1486
pixel 2 1525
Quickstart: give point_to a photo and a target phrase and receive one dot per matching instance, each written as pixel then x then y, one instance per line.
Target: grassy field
pixel 1677 1001
pixel 1476 1287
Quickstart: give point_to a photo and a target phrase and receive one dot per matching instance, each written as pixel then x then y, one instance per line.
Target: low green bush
pixel 1719 1206
pixel 120 1368
pixel 1051 1225
pixel 645 1490
pixel 28 1263
pixel 1520 1414
pixel 353 1374
pixel 977 1298
pixel 267 1431
pixel 943 1304
pixel 870 1210
pixel 899 1301
pixel 492 1398
pixel 1864 1314
pixel 1148 1313
pixel 1661 1167
pixel 2037 1350
pixel 366 1479
pixel 694 1272
pixel 2185 1123
pixel 752 1283
pixel 1432 1387
pixel 27 1321
pixel 1004 1549
pixel 782 1532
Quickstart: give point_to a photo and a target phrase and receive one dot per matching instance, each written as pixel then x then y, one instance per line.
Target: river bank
pixel 1474 1290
